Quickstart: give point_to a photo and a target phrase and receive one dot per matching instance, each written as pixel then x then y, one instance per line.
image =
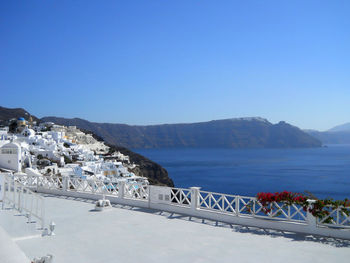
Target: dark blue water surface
pixel 325 172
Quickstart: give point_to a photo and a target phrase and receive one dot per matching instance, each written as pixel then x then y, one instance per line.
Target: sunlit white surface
pixel 126 234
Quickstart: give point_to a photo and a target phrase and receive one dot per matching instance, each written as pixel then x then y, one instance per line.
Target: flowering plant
pixel 288 198
pixel 318 208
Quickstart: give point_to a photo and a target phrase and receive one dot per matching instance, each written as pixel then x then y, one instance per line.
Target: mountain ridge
pixel 339 134
pixel 155 173
pixel 341 128
pixel 160 124
pixel 245 132
pixel 251 132
pixel 331 137
pixel 11 113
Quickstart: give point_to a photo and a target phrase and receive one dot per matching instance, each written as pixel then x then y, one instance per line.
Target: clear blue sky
pixel 148 62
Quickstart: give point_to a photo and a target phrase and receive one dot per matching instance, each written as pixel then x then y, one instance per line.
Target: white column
pixel 149 195
pixel 194 197
pixel 20 189
pixel 311 220
pixel 121 190
pixel 2 186
pixel 237 205
pixel 65 182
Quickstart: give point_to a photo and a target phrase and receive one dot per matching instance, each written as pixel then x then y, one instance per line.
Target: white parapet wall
pixel 232 209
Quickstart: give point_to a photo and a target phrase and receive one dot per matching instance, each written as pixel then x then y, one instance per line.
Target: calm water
pixel 325 172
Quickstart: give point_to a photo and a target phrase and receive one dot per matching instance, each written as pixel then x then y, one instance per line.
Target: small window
pixel 8 151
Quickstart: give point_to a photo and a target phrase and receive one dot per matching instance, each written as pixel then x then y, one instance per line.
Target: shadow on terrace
pixel 295 237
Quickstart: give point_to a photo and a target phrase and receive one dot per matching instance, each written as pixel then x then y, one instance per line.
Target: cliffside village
pixel 47 149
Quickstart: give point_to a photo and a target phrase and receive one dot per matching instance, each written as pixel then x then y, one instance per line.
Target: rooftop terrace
pixel 132 234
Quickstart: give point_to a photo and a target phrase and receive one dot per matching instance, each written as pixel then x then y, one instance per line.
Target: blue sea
pixel 325 172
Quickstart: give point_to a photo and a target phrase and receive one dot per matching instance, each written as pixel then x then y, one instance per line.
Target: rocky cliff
pixel 154 172
pixel 229 133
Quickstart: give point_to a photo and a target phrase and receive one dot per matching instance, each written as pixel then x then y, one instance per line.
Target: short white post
pixel 19 198
pixel 37 183
pixel 14 192
pixel 237 205
pixel 311 220
pixel 121 190
pixel 194 197
pixel 52 228
pixel 2 187
pixel 149 195
pixel 65 183
pixel 3 178
pixel 42 213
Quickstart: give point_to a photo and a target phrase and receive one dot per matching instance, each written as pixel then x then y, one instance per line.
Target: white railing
pixel 180 196
pixel 136 191
pixel 65 183
pixel 50 182
pixel 249 206
pixel 227 208
pixel 218 202
pixel 88 186
pixel 24 200
pixel 338 217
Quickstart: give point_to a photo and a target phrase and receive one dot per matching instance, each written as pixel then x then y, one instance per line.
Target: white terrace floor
pixel 126 234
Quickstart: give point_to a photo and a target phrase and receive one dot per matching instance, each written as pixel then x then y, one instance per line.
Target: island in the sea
pixel 228 133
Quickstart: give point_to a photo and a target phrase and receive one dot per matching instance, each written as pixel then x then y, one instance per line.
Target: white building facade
pixel 11 157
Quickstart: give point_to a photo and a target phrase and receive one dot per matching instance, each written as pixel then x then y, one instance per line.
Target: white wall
pixel 165 205
pixel 12 160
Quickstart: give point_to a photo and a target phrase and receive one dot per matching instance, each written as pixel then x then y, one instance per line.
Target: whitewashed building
pixel 11 156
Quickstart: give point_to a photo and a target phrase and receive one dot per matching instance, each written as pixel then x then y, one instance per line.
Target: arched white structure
pixel 10 156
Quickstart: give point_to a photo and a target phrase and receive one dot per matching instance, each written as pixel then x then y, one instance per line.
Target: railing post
pixel 311 220
pixel 43 212
pixel 37 184
pixel 149 195
pixel 237 205
pixel 14 192
pixel 121 190
pixel 19 199
pixel 194 197
pixel 3 189
pixel 65 183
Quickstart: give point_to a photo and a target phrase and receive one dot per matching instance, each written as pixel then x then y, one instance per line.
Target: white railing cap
pixel 311 201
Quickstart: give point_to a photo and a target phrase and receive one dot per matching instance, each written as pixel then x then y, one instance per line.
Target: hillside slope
pixel 154 172
pixel 341 128
pixel 8 113
pixel 331 137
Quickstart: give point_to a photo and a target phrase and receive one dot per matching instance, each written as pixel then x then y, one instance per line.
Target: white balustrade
pixel 180 196
pixel 217 202
pixel 21 198
pixel 223 207
pixel 338 217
